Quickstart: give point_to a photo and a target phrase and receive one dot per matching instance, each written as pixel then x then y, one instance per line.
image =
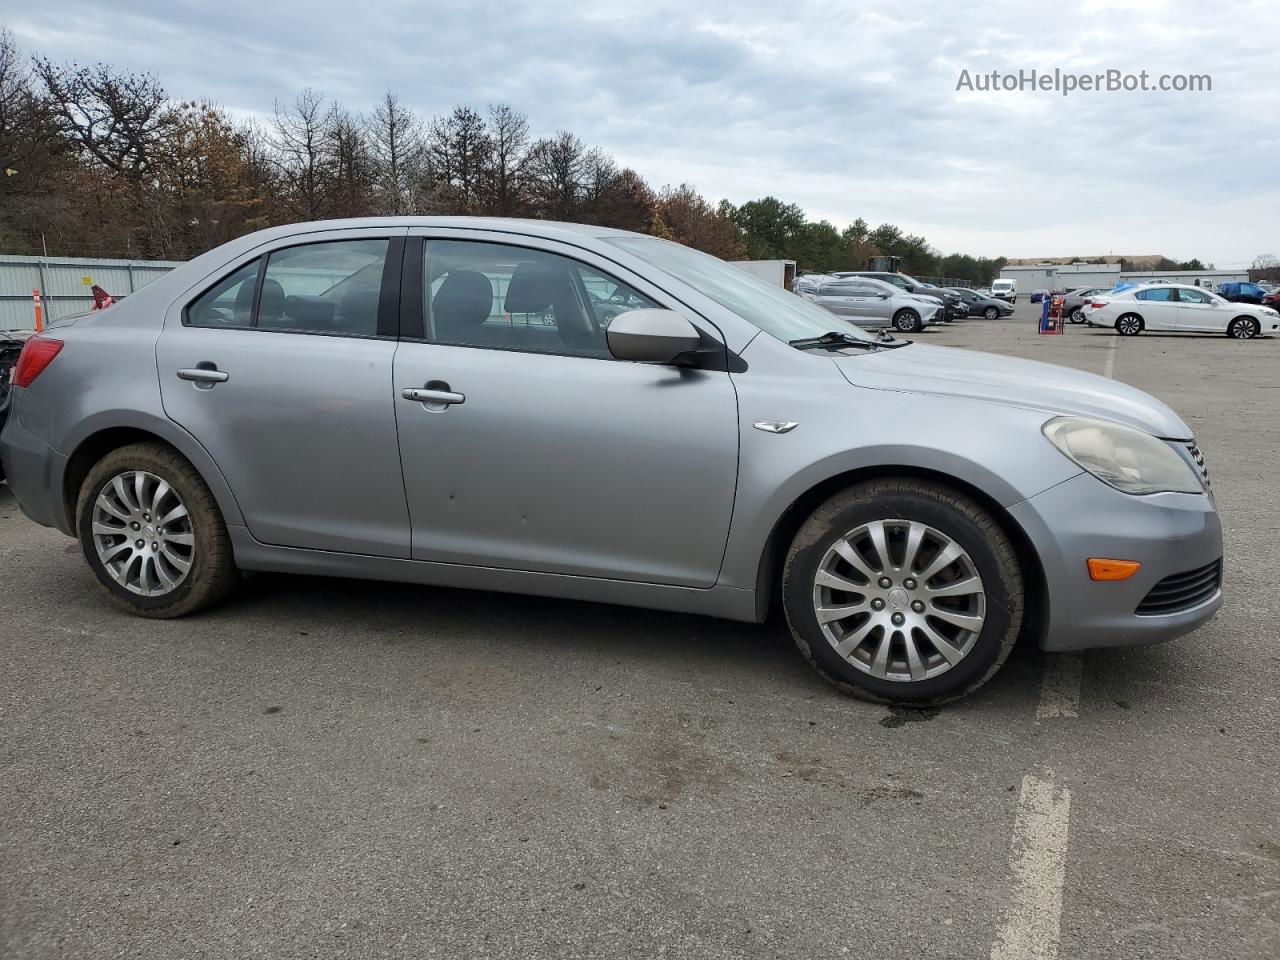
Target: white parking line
pixel 1032 924
pixel 1060 686
pixel 1109 371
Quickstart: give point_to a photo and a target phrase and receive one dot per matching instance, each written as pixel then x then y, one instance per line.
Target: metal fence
pixel 64 284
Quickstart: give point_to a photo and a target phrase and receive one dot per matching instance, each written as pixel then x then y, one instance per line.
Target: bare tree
pixel 349 165
pixel 395 143
pixel 117 119
pixel 298 144
pixel 556 168
pixel 457 157
pixel 508 132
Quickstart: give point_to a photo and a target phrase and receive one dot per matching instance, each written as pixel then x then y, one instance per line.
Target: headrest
pixel 360 309
pixel 244 300
pixel 271 303
pixel 465 299
pixel 533 287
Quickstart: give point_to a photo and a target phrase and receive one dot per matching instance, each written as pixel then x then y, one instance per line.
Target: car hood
pixel 951 372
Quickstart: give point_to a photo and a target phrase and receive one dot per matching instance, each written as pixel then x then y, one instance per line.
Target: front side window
pixel 1194 296
pixel 330 287
pixel 518 298
pixel 229 302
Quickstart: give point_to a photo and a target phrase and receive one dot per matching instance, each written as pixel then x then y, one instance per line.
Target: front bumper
pixel 1168 533
pixel 34 471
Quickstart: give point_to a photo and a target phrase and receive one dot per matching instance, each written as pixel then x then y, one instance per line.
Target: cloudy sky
pixel 846 112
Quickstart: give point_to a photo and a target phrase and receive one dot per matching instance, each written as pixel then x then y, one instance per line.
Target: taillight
pixel 37 353
pixel 1098 304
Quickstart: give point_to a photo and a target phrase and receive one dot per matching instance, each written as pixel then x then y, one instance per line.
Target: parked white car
pixel 1179 308
pixel 874 303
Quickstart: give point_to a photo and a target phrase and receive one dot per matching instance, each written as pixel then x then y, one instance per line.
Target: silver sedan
pixel 869 302
pixel 437 401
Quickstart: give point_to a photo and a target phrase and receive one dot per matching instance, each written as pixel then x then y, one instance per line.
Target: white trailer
pixel 780 272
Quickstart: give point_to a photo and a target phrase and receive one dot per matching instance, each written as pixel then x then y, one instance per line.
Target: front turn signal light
pixel 1100 568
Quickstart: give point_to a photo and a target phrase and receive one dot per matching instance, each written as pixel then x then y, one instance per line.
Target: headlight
pixel 1127 459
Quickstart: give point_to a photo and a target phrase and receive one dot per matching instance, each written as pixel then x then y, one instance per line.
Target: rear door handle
pixel 425 395
pixel 204 374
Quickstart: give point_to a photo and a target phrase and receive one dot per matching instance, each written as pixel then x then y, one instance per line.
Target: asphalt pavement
pixel 331 768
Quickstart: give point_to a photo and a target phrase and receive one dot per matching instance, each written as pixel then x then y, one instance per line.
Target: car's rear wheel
pixel 991 313
pixel 152 532
pixel 1243 328
pixel 906 321
pixel 1129 325
pixel 903 591
pixel 1076 315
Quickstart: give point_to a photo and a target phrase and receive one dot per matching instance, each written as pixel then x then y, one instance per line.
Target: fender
pixel 171 433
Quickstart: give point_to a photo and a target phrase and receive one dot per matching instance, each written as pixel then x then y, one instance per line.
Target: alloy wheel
pixel 1129 325
pixel 991 313
pixel 1077 315
pixel 899 600
pixel 142 533
pixel 1242 329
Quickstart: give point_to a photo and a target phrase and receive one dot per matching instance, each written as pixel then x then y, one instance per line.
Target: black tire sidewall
pixel 202 525
pixel 1122 333
pixel 912 318
pixel 989 649
pixel 991 313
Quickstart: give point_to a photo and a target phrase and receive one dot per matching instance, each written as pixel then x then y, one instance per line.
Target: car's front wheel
pixel 906 321
pixel 1243 328
pixel 991 313
pixel 1129 325
pixel 152 532
pixel 904 591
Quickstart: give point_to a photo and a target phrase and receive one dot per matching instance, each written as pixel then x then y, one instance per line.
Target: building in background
pixel 1069 276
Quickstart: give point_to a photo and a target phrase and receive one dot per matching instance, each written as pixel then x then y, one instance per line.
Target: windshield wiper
pixel 833 338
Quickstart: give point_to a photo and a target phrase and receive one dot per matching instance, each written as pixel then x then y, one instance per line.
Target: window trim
pixel 388 321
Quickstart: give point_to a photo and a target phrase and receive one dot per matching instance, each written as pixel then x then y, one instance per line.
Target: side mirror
pixel 651 336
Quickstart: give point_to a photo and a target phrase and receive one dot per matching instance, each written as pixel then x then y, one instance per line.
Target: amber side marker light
pixel 1102 569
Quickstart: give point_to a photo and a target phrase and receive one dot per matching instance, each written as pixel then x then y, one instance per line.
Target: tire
pixel 906 321
pixel 898 505
pixel 991 313
pixel 1077 315
pixel 1243 328
pixel 1129 325
pixel 197 538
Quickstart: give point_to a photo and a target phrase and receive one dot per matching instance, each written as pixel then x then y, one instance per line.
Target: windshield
pixel 775 311
pixel 1002 285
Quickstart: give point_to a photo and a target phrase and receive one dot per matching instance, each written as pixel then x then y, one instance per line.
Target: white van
pixel 1004 289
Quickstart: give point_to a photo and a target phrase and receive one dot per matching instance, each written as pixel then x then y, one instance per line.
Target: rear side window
pixel 324 288
pixel 1155 293
pixel 332 287
pixel 229 302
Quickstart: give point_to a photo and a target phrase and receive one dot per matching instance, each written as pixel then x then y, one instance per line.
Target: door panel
pixel 1197 312
pixel 569 464
pixel 303 430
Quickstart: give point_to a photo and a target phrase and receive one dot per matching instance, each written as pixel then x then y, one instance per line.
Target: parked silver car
pixel 436 401
pixel 875 303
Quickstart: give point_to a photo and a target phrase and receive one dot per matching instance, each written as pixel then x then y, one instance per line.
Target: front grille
pixel 1182 591
pixel 1194 449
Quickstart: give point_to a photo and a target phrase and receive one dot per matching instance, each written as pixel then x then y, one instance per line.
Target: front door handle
pixel 204 373
pixel 434 396
pixel 424 395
